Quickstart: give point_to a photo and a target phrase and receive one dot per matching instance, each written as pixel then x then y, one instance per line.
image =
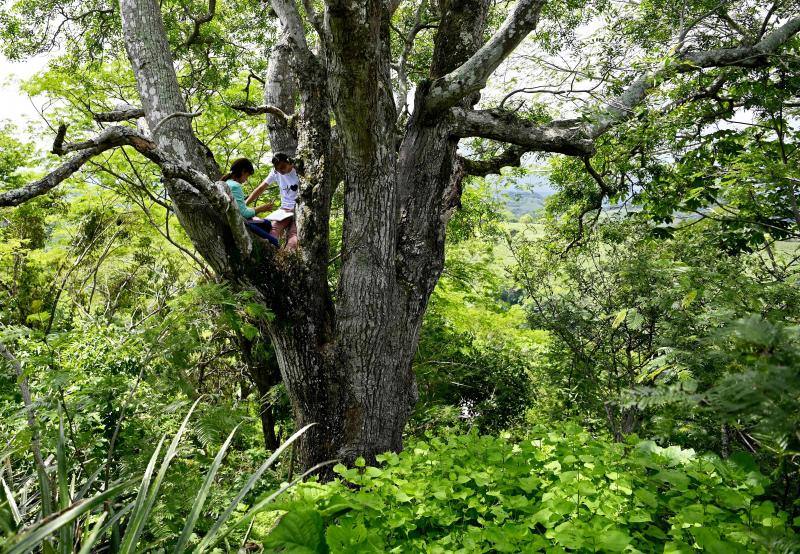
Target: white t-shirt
pixel 289 184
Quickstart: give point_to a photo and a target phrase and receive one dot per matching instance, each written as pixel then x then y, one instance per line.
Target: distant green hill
pixel 527 195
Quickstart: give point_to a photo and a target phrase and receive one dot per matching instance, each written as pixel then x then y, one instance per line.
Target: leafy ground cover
pixel 554 490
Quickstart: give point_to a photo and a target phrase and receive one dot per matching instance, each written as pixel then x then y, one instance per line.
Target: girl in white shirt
pixel 284 175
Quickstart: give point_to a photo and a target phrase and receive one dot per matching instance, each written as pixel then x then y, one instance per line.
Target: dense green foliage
pixel 554 490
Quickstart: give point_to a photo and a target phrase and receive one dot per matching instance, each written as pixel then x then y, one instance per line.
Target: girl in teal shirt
pixel 240 172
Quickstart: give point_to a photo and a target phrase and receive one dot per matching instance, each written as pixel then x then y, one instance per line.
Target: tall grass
pixel 81 523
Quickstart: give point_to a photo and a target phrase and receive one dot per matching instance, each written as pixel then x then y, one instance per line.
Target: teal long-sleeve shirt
pixel 238 195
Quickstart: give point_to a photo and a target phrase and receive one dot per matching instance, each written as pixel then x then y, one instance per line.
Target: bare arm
pixel 265 208
pixel 258 191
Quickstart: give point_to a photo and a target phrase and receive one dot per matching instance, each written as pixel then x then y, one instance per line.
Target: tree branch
pixel 575 138
pixel 200 21
pixel 158 125
pixel 757 55
pixel 511 156
pixel 131 112
pixel 217 193
pixel 108 139
pixel 595 204
pixel 472 75
pixel 765 23
pixel 293 27
pixel 58 142
pixel 402 77
pixel 313 17
pixel 260 110
pixel 744 56
pixel 563 137
pixel 122 114
pixel 280 92
pixel 744 33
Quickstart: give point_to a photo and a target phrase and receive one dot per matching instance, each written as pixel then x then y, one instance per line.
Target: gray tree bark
pixel 280 91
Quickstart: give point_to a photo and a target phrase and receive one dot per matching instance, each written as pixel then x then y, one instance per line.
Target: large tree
pixel 337 89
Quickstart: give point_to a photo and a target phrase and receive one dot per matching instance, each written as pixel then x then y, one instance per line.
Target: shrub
pixel 556 490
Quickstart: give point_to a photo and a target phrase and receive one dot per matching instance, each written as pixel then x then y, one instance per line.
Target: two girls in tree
pixel 281 221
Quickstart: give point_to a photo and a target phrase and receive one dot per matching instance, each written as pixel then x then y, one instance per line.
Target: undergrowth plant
pixel 555 490
pixel 82 523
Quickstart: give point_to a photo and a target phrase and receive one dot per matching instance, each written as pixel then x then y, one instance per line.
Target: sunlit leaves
pixel 550 489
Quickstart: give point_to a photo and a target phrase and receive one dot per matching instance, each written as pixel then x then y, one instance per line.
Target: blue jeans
pixel 262 229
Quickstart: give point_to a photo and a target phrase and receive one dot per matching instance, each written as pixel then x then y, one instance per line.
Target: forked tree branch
pixel 472 75
pixel 622 107
pixel 199 21
pixel 575 137
pixel 562 137
pixel 401 99
pixel 108 139
pixel 593 204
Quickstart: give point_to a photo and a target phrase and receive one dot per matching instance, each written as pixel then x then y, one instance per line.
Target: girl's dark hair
pixel 281 157
pixel 239 167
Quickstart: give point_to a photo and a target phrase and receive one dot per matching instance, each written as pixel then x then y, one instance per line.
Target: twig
pixel 260 110
pixel 173 116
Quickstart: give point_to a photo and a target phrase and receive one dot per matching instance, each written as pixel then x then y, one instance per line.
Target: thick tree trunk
pixel 360 385
pixel 372 342
pixel 345 359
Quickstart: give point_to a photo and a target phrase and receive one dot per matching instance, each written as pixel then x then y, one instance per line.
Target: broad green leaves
pixel 298 532
pixel 553 490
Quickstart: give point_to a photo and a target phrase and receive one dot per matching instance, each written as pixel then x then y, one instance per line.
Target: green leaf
pixel 688 299
pixel 613 540
pixel 677 548
pixel 298 532
pixel 353 540
pixel 88 542
pixel 619 318
pixel 710 542
pixel 676 478
pixel 257 311
pixel 9 499
pixel 249 331
pixel 732 499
